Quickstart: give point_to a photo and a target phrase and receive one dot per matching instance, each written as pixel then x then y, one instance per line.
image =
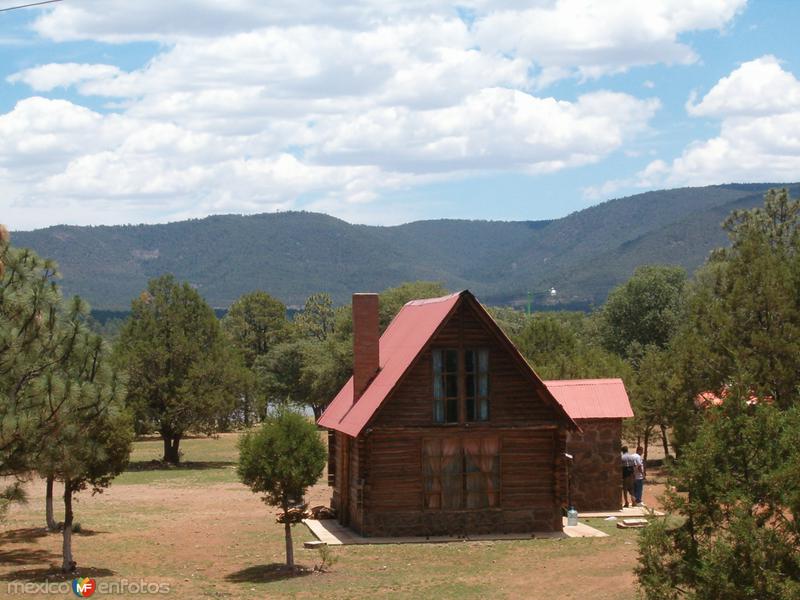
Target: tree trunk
pixel 48 505
pixel 665 440
pixel 246 410
pixel 287 530
pixel 646 443
pixel 68 565
pixel 171 451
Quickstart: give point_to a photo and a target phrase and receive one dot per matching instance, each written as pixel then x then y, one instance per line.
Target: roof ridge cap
pixel 424 301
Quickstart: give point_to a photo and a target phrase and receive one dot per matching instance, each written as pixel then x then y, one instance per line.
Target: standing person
pixel 627 476
pixel 638 476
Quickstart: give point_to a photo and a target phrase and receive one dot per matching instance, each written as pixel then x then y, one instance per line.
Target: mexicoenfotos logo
pixel 84 586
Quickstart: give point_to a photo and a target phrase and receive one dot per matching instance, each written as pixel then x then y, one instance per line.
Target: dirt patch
pixel 209 538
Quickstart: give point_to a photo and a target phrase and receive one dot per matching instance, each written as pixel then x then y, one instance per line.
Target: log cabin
pixel 444 428
pixel 598 406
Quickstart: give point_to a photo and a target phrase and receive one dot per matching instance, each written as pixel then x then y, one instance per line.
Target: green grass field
pixel 198 530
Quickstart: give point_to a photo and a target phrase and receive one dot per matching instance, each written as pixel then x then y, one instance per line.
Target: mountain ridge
pixel 292 254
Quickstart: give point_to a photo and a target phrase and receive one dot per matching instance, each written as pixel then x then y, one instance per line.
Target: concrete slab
pixel 334 534
pixel 624 513
pixel 582 530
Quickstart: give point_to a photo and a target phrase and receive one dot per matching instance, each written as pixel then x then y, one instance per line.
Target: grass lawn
pixel 197 529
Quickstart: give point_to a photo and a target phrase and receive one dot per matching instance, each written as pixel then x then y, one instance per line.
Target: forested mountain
pixel 293 254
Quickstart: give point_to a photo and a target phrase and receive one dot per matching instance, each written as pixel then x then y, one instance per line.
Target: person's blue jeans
pixel 638 487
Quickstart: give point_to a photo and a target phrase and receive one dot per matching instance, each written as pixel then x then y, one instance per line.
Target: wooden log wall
pixel 394 502
pixel 512 400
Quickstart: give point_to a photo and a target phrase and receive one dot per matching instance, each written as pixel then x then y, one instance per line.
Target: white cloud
pixel 50 76
pixel 759 139
pixel 250 106
pixel 758 106
pixel 561 37
pixel 595 38
pixel 758 87
pixel 765 148
pixel 76 154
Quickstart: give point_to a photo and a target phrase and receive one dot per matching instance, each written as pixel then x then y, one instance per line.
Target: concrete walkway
pixel 334 534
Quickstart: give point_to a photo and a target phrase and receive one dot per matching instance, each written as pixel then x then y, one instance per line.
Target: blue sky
pixel 382 112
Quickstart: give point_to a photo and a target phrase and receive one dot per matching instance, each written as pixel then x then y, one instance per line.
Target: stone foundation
pixel 460 523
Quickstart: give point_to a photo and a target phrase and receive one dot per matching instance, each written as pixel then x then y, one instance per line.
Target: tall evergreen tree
pixel 183 373
pixel 734 531
pixel 645 310
pixel 638 322
pixel 92 435
pixel 745 309
pixel 318 317
pixel 46 352
pixel 255 323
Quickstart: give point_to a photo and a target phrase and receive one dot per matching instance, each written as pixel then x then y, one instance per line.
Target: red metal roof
pixel 400 344
pixel 592 398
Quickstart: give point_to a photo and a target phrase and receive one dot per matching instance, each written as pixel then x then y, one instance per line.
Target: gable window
pixel 460 375
pixel 461 473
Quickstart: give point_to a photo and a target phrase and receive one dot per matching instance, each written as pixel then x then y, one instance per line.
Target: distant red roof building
pixel 709 399
pixel 598 407
pixel 592 398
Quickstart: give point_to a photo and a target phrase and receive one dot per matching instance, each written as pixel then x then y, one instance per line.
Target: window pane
pixel 476 484
pixel 483 361
pixel 483 409
pixel 438 410
pixel 470 404
pixel 494 482
pixel 470 397
pixel 438 388
pixel 452 385
pixel 469 361
pixel 452 473
pixel 461 473
pixel 451 361
pixel 452 410
pixel 437 362
pixel 432 470
pixel 483 384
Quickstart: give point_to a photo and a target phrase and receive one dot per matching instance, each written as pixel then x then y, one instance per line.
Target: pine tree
pixel 734 529
pixel 745 307
pixel 316 321
pixel 281 460
pixel 256 323
pixel 183 373
pixel 42 344
pixel 91 436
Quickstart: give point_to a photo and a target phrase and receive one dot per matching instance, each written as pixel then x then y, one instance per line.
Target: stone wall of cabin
pixel 596 474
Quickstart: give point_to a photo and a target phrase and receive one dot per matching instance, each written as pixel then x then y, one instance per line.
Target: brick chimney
pixel 365 341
